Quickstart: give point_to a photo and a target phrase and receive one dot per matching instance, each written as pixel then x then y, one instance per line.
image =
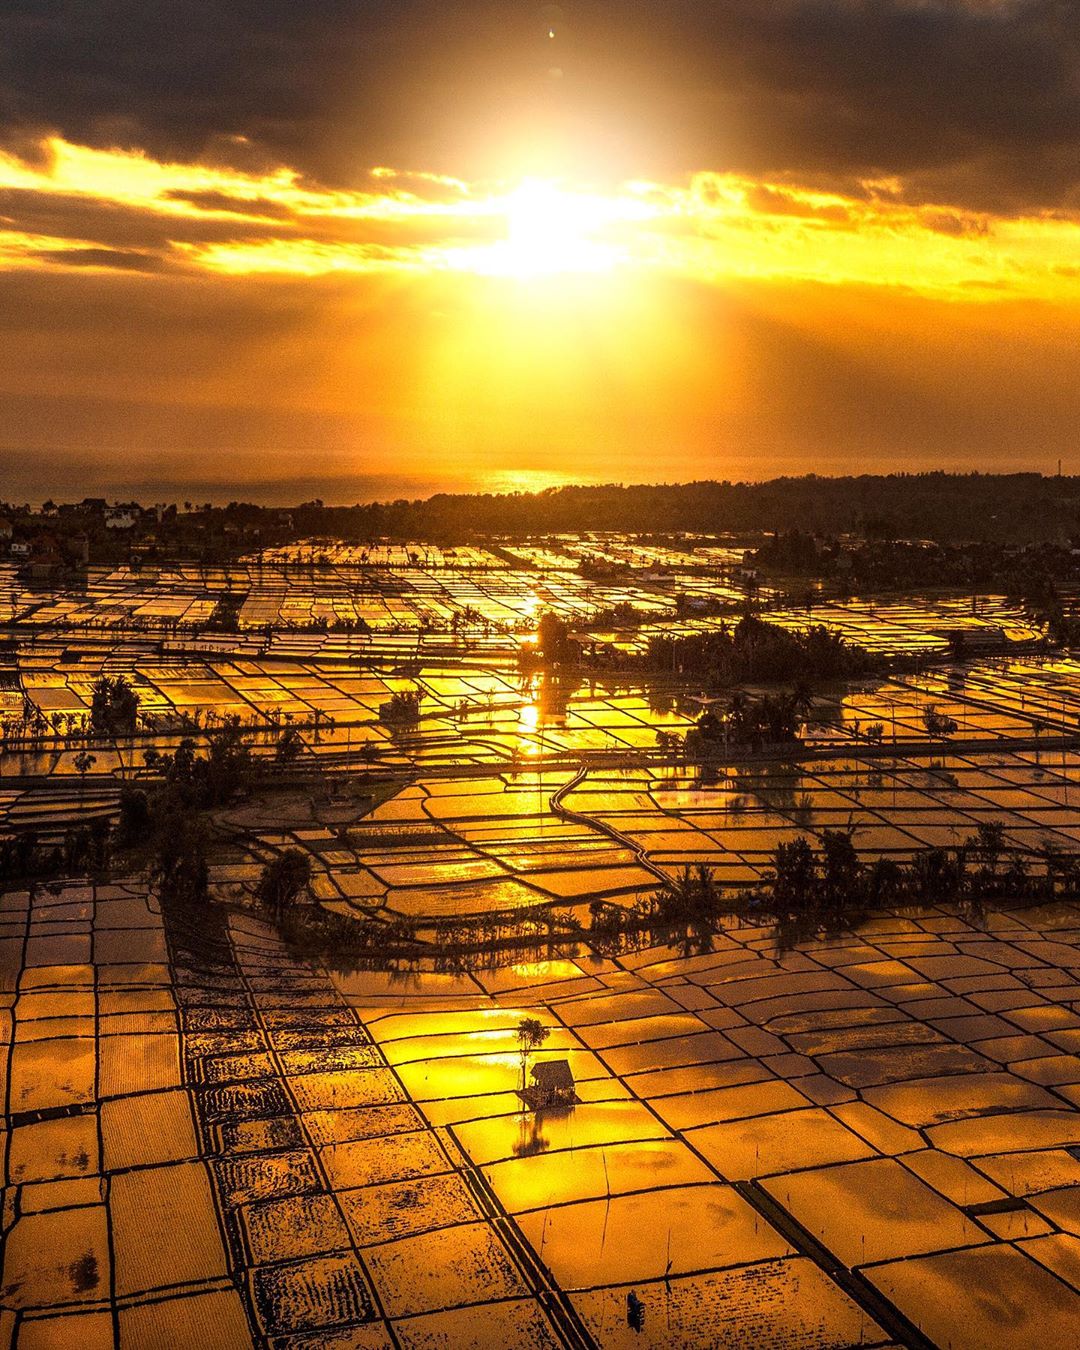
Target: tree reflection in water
pixel 531 1139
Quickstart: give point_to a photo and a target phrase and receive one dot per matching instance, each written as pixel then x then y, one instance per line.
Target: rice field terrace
pixel 228 1124
pixel 869 1140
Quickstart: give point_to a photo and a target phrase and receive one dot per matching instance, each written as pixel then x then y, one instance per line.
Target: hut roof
pixel 553 1073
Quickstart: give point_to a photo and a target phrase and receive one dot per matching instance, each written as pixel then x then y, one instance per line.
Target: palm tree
pixel 802 699
pixel 738 716
pixel 690 893
pixel 1050 856
pixel 531 1034
pixel 84 761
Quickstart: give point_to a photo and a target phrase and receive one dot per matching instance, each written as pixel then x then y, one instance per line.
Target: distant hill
pixel 1000 507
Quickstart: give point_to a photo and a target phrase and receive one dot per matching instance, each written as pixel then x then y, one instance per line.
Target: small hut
pixel 552 1084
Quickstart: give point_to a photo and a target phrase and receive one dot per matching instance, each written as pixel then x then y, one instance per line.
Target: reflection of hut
pixel 553 1084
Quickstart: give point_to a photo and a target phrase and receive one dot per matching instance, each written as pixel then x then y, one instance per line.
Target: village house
pixel 121 517
pixel 553 1084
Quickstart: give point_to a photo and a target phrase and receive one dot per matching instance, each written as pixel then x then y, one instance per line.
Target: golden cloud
pixel 109 210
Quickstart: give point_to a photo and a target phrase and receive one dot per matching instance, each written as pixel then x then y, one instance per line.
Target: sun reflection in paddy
pixel 530 730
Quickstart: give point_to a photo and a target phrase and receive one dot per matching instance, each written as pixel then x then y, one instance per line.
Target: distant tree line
pixel 1007 507
pixel 79 850
pixel 165 822
pixel 755 651
pixel 746 723
pixel 1032 576
pixel 826 886
pixel 1016 508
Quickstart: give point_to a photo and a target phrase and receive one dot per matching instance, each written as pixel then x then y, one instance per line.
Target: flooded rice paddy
pixel 867 1139
pixel 863 1141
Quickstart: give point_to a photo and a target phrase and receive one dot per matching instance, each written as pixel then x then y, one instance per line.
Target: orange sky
pixel 183 323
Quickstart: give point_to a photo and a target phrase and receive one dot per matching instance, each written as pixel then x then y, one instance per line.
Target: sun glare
pixel 549 231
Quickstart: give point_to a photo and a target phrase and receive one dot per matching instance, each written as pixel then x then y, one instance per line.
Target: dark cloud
pixel 72 216
pixel 974 102
pixel 115 259
pixel 959 226
pixel 225 203
pixel 103 233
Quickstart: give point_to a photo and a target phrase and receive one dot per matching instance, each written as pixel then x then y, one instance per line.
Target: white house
pixel 120 518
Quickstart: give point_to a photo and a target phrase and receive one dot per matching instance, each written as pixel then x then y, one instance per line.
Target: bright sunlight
pixel 550 230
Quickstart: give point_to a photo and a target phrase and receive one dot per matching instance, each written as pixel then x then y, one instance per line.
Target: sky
pixel 356 249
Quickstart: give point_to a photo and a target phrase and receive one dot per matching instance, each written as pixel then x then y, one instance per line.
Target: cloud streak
pixel 76 206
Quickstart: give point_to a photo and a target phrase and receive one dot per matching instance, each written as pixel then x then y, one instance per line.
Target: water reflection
pixel 618 932
pixel 531 1138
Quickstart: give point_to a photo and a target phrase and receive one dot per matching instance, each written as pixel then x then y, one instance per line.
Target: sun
pixel 549 231
pixel 544 229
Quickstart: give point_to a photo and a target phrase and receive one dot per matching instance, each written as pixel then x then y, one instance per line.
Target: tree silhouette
pixel 531 1035
pixel 283 879
pixel 289 747
pixel 84 762
pixel 114 707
